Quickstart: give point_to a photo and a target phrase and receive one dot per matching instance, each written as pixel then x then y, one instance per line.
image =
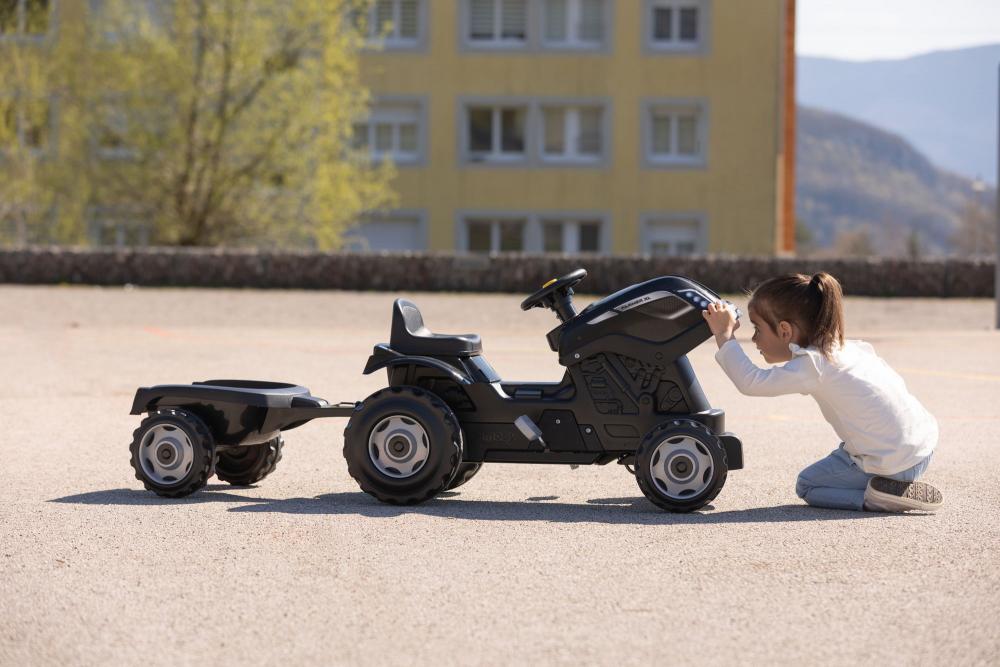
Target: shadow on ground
pixel 629 510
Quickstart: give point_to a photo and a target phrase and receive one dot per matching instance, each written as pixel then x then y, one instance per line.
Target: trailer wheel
pixel 403 445
pixel 173 453
pixel 243 466
pixel 465 472
pixel 680 465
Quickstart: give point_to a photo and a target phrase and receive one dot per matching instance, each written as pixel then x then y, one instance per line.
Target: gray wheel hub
pixel 398 446
pixel 681 467
pixel 166 454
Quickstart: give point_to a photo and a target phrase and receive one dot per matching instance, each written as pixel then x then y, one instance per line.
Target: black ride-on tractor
pixel 628 395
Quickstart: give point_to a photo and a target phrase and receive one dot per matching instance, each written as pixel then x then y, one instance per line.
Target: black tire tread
pixel 465 472
pixel 651 493
pixel 456 438
pixel 207 467
pixel 259 471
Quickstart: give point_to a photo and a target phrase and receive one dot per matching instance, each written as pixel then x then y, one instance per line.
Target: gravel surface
pixel 523 565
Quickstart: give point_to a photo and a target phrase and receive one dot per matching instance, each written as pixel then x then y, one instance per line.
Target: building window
pixel 574 23
pixel 496 133
pixel 24 18
pixel 112 23
pixel 395 232
pixel 497 22
pixel 393 131
pixel 676 25
pixel 571 236
pixel 486 235
pixel 572 134
pixel 392 23
pixel 25 125
pixel 111 135
pixel 675 133
pixel 117 226
pixel 673 236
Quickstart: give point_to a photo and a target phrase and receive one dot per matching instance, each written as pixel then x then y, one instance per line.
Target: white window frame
pixel 117 116
pixel 19 33
pixel 496 154
pixel 675 107
pixel 498 41
pixel 354 239
pixel 573 41
pixel 495 221
pixel 388 110
pixel 534 132
pixel 652 223
pixel 675 44
pixel 571 126
pixel 139 14
pixel 394 41
pixel 533 240
pixel 120 220
pixel 571 233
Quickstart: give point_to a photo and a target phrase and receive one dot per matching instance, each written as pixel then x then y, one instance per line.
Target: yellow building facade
pixel 654 126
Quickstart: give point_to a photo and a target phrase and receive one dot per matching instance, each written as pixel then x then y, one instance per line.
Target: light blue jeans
pixel 837 482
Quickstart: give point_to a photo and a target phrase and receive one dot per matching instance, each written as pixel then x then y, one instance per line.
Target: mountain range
pixel 896 151
pixel 944 103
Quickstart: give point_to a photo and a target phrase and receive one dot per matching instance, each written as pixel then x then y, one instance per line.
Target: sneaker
pixel 890 495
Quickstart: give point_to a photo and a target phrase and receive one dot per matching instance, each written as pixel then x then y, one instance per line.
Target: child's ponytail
pixel 828 326
pixel 815 304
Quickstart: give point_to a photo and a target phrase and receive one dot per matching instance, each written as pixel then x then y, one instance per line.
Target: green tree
pixel 26 141
pixel 213 122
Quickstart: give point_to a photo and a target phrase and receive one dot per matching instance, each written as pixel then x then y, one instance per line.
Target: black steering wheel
pixel 557 294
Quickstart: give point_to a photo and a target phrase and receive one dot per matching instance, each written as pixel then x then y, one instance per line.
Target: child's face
pixel 772 344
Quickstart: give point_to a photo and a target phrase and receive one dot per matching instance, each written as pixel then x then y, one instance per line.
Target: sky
pixel 892 29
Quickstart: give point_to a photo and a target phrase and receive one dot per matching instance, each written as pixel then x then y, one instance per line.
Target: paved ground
pixel 526 564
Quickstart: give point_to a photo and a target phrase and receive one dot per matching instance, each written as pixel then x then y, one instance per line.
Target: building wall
pixel 738 75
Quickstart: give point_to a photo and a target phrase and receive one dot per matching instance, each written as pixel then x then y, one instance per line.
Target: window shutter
pixel 555 20
pixel 408 20
pixel 481 19
pixel 515 19
pixel 592 20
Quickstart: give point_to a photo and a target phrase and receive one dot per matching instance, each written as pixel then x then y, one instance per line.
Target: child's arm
pixel 798 376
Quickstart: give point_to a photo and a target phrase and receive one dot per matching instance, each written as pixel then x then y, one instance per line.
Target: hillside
pixel 850 175
pixel 943 103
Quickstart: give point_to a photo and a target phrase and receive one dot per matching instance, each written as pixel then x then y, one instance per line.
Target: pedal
pixel 530 430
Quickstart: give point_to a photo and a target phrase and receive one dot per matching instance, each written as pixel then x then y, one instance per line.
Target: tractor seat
pixel 410 336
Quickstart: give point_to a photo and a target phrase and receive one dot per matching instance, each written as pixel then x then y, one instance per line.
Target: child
pixel 888 437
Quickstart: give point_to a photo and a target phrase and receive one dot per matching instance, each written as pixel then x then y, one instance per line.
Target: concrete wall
pixel 513 273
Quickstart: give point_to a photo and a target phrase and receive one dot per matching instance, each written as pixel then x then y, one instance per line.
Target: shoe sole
pixel 905 495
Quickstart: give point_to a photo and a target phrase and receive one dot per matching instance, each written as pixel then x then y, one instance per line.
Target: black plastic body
pixel 626 372
pixel 241 412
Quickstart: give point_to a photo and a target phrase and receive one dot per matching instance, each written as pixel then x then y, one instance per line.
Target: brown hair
pixel 814 304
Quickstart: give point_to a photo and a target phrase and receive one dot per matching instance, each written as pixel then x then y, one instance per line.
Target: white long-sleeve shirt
pixel 884 427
